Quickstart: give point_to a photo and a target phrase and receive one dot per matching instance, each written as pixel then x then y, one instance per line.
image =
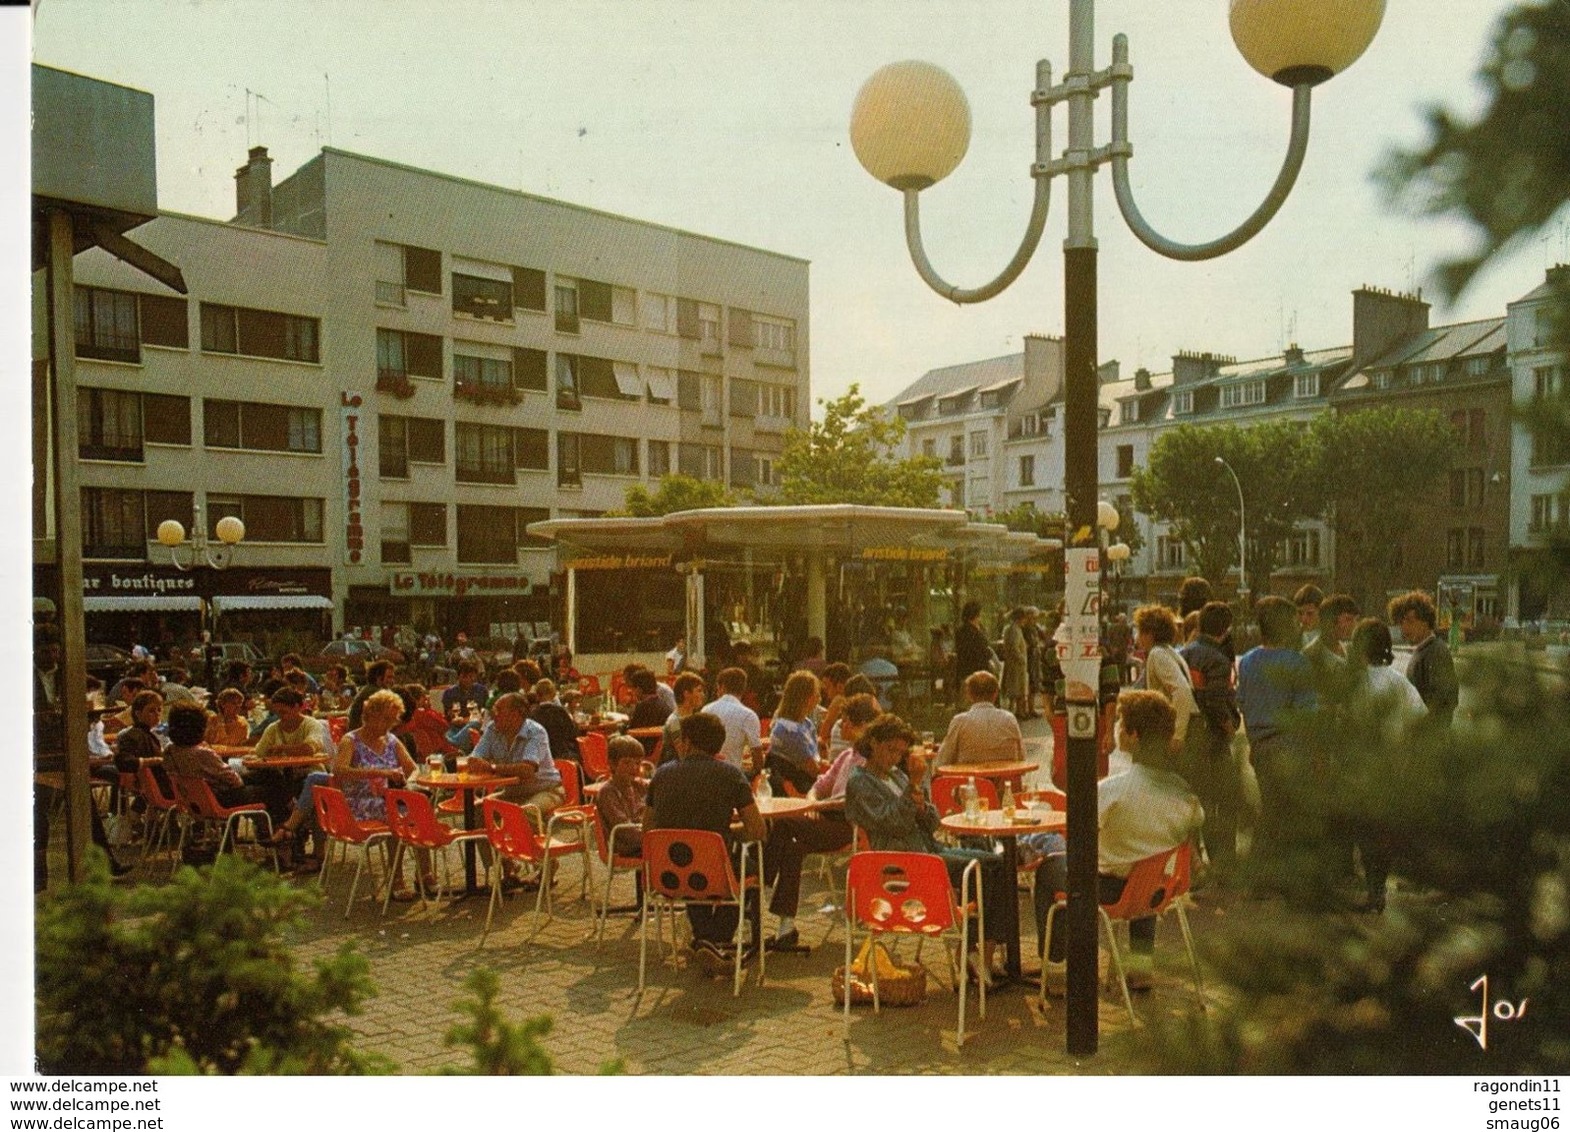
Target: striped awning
pixel 271 601
pixel 129 603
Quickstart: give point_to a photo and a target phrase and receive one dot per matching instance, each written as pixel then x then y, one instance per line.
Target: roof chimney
pixel 1107 372
pixel 1142 379
pixel 1293 355
pixel 1382 318
pixel 253 189
pixel 1188 367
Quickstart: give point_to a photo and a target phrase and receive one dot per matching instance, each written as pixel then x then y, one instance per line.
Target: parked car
pixel 494 652
pixel 354 655
pixel 107 662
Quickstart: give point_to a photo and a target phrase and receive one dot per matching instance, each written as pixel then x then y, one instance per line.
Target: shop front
pixel 478 603
pixel 137 604
pixel 277 609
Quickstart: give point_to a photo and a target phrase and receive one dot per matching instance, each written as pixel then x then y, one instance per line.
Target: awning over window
pixel 120 603
pixel 271 601
pixel 662 384
pixel 628 383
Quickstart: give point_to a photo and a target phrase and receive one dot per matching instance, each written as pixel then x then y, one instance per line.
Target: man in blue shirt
pixel 1275 682
pixel 514 745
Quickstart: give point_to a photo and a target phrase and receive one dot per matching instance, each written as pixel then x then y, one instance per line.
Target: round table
pixel 467 785
pixel 783 807
pixel 1013 773
pixel 282 762
pixel 991 824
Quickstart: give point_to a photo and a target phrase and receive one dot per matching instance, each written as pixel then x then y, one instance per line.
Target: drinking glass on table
pixel 463 764
pixel 929 739
pixel 434 765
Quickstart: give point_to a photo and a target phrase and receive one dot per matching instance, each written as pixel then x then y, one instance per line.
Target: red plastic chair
pixel 339 826
pixel 604 842
pixel 1055 799
pixel 945 788
pixel 594 750
pixel 693 866
pixel 196 795
pixel 910 894
pixel 1155 886
pixel 413 823
pixel 163 813
pixel 513 838
pixel 337 727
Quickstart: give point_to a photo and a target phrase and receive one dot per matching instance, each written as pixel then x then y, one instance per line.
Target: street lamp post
pixel 1242 536
pixel 911 126
pixel 200 552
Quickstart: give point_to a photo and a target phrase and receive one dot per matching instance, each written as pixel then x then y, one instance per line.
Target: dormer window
pixel 1130 412
pixel 1183 401
pixel 1306 385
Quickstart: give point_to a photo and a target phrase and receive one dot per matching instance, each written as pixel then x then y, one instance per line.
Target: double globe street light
pixel 201 552
pixel 910 128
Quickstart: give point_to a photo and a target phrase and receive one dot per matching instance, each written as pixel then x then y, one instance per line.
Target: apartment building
pixel 1539 465
pixel 388 372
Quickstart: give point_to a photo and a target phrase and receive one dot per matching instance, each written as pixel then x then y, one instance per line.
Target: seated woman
pixel 335 692
pixel 793 739
pixel 229 727
pixel 424 731
pixel 371 760
pixel 188 756
pixel 880 799
pixel 860 710
pixel 137 742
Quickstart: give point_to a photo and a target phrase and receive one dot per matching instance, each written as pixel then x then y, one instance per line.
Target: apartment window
pixel 601 302
pixel 488 534
pixel 957 494
pixel 531 449
pixel 1183 402
pixel 1478 366
pixel 661 383
pixel 743 468
pixel 1458 487
pixel 427 524
pixel 1030 424
pixel 1542 326
pixel 164 321
pixel 601 377
pixel 765 474
pixel 109 425
pixel 1027 471
pixel 712 393
pixel 567 382
pixel 709 327
pixel 401 267
pixel 1306 385
pixel 1300 550
pixel 700 461
pixel 395 534
pixel 259 333
pixel 1383 379
pixel 569 459
pixel 483 453
pixel 1130 414
pixel 978 445
pixel 929 447
pixel 530 369
pixel 161 505
pixel 1545 382
pixel 401 354
pixel 106 325
pixel 773 333
pixel 744 398
pixel 1169 553
pixel 262 428
pixel 481 298
pixel 528 289
pixel 166 419
pixel 476 373
pixel 689 391
pixel 599 455
pixel 1475 540
pixel 1243 393
pixel 658 312
pixel 1550 449
pixel 567 305
pixel 113 523
pixel 406 440
pixel 777 401
pixel 269 518
pixel 956 450
pixel 1125 461
pixel 1425 374
pixel 1550 512
pixel 687 318
pixel 659 458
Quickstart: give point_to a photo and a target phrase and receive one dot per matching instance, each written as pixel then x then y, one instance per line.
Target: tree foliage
pixel 1025 517
pixel 1374 466
pixel 851 456
pixel 1183 486
pixel 676 492
pixel 194 976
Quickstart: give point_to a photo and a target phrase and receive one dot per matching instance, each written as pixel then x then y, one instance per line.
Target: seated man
pixel 557 721
pixel 292 733
pixel 702 791
pixel 985 733
pixel 650 710
pixel 1143 811
pixel 467 695
pixel 743 746
pixel 690 694
pixel 514 745
pixel 623 800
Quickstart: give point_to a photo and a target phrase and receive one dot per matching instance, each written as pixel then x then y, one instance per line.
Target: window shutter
pixel 594 300
pixel 687 318
pixel 166 419
pixel 740 327
pixel 596 377
pixel 422 270
pixel 529 369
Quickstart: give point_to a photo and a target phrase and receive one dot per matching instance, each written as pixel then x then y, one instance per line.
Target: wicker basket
pixel 899 984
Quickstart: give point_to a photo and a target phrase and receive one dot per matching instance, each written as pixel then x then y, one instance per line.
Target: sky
pixel 730 118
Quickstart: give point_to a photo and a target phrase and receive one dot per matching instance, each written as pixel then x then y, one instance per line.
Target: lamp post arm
pixel 1122 150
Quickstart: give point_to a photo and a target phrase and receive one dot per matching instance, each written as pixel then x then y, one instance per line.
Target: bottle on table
pixel 763 792
pixel 1006 803
pixel 972 799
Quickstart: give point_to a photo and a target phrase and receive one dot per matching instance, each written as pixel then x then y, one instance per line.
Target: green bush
pixel 194 976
